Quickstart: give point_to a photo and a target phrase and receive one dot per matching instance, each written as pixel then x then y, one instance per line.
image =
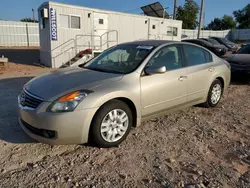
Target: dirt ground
pixel 195 147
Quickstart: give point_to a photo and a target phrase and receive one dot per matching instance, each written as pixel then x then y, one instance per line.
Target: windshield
pixel 244 50
pixel 214 42
pixel 121 59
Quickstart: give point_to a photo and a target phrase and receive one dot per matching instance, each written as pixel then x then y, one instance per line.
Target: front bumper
pixel 68 128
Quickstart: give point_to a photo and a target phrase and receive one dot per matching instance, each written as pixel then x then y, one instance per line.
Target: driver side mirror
pixel 155 70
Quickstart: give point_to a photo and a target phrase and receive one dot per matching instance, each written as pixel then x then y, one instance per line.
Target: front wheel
pixel 111 124
pixel 214 94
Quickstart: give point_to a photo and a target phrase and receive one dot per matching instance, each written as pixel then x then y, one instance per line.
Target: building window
pixel 101 21
pixel 153 26
pixel 172 31
pixel 64 21
pixel 67 21
pixel 175 31
pixel 75 22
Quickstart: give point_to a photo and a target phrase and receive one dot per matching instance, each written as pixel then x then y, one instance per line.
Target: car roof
pixel 154 43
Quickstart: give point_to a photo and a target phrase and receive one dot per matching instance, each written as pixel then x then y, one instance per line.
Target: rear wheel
pixel 111 124
pixel 214 94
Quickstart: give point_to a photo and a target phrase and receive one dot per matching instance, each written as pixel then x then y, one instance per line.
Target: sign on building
pixel 53 23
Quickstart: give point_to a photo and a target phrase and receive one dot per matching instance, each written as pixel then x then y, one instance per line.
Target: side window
pixel 169 56
pixel 208 56
pixel 75 22
pixel 194 55
pixel 101 21
pixel 64 21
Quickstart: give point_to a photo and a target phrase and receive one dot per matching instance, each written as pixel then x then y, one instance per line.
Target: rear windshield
pixel 244 50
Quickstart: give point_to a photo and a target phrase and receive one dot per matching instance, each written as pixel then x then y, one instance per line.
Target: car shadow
pixel 240 78
pixel 10 131
pixel 21 56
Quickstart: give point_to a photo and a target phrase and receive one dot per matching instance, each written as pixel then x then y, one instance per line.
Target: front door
pixel 166 90
pixel 100 30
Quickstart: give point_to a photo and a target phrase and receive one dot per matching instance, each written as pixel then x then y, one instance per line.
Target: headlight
pixel 68 102
pixel 218 49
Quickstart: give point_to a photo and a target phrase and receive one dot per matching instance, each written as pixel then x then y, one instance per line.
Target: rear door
pixel 199 71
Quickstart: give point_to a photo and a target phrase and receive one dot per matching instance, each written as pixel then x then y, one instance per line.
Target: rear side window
pixel 208 56
pixel 194 55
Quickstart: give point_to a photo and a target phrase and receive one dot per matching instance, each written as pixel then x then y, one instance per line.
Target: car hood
pixel 62 81
pixel 239 58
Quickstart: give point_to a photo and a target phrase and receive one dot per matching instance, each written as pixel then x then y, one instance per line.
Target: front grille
pixel 29 100
pixel 40 132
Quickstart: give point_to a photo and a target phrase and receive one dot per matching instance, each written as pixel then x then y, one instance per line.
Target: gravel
pixel 194 147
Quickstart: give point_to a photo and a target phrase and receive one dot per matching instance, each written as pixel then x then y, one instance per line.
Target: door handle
pixel 182 78
pixel 211 69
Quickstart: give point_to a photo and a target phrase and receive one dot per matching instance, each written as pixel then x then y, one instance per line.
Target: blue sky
pixel 17 9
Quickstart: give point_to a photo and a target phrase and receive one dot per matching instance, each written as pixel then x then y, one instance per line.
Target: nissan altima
pixel 101 100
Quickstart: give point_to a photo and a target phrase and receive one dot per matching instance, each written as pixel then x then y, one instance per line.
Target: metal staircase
pixel 76 47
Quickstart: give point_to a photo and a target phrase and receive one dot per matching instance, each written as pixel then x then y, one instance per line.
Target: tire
pixel 211 102
pixel 115 127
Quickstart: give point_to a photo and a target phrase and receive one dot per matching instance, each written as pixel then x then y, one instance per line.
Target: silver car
pixel 101 100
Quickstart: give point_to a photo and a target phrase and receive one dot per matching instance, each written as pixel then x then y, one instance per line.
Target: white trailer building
pixel 65 30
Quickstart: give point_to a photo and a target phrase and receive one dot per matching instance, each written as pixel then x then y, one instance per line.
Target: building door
pixel 154 29
pixel 100 30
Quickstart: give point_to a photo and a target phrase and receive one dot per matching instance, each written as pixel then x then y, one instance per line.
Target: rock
pixel 35 165
pixel 76 184
pixel 195 186
pixel 199 172
pixel 107 182
pixel 171 160
pixel 194 177
pixel 147 181
pixel 2 170
pixel 123 176
pixel 157 166
pixel 181 184
pixel 30 165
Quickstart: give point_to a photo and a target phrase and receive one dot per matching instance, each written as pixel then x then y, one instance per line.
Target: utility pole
pixel 33 14
pixel 201 15
pixel 175 7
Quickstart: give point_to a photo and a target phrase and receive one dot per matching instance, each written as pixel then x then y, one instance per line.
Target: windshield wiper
pixel 102 70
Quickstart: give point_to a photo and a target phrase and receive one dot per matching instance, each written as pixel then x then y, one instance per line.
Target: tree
pixel 188 14
pixel 226 22
pixel 28 20
pixel 243 17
